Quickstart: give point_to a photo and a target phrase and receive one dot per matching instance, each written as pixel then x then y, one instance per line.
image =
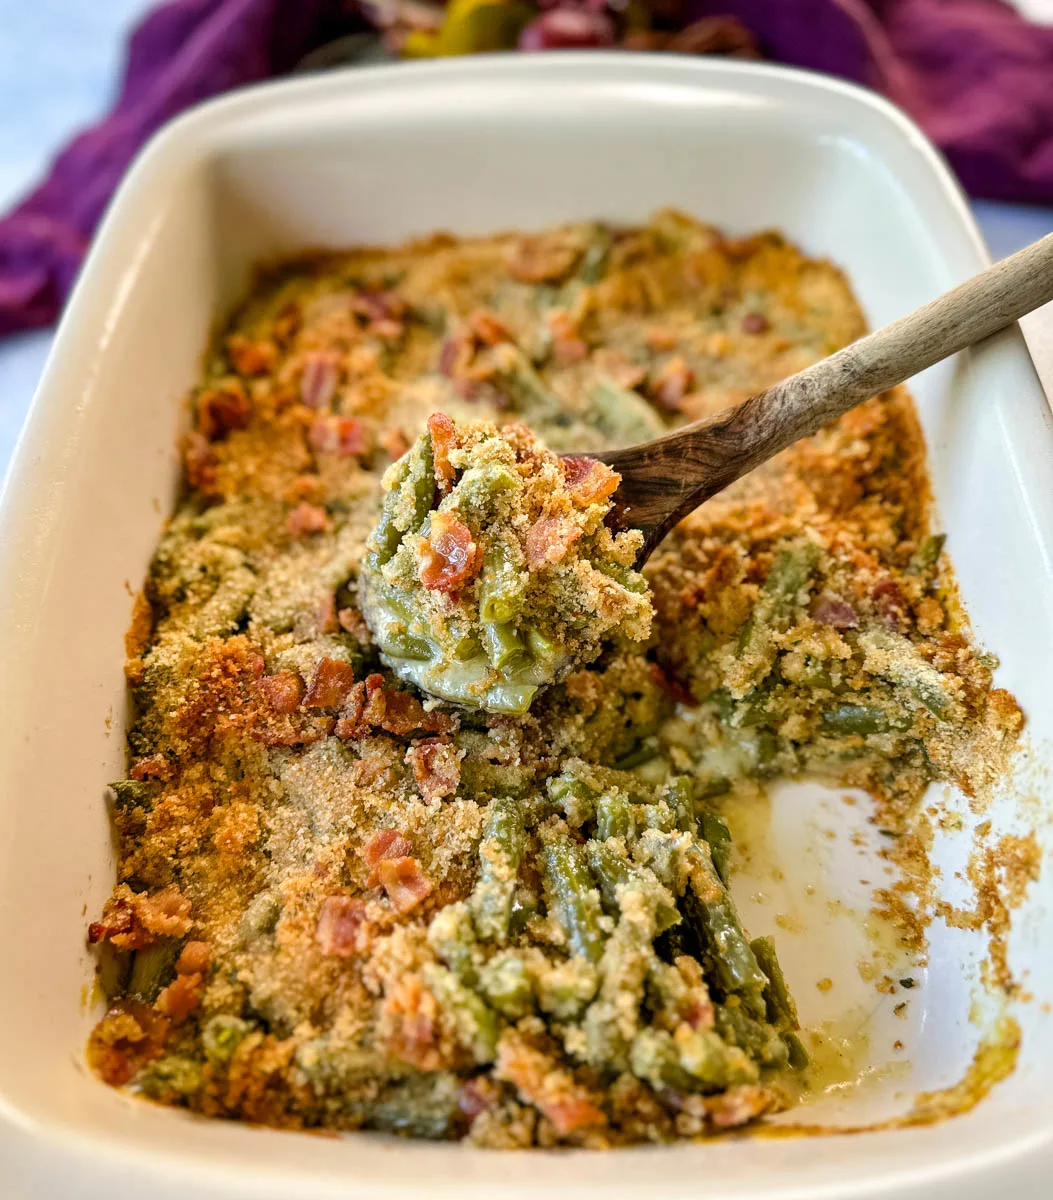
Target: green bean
pixel 654 1058
pixel 593 265
pixel 798 1056
pixel 170 1077
pixel 782 1012
pixel 613 872
pixel 679 795
pixel 722 700
pixel 510 698
pixel 542 648
pixel 506 983
pixel 711 908
pixel 628 958
pixel 130 793
pixel 452 936
pixel 614 817
pixel 860 719
pixel 501 584
pixel 640 754
pixel 338 1066
pixel 524 909
pixel 422 1106
pixel 629 579
pixel 900 663
pixel 711 1062
pixel 756 1038
pixel 152 967
pixel 260 917
pixel 222 1036
pixel 564 989
pixel 500 853
pixel 504 647
pixel 402 645
pixel 623 416
pixel 476 1022
pixel 790 574
pixel 709 785
pixel 576 798
pixel 717 834
pixel 113 969
pixel 516 377
pixel 927 554
pixel 478 493
pixel 577 901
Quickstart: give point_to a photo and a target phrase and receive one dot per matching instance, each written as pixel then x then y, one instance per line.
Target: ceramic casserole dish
pixel 378 155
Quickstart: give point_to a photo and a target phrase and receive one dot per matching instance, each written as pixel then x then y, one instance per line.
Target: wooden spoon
pixel 664 479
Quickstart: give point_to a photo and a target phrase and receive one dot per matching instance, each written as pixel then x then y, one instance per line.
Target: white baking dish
pixel 376 155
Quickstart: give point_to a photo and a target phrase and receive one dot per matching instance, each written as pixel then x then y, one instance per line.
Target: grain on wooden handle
pixel 665 479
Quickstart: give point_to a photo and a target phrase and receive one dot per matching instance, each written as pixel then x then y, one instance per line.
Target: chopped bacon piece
pixel 455 354
pixel 165 913
pixel 404 881
pixel 546 1085
pixel 436 764
pixel 307 518
pixel 443 440
pixel 325 613
pixel 251 356
pixel 891 604
pixel 282 692
pixel 181 997
pixel 118 920
pixel 193 959
pixel 134 920
pixel 221 410
pixel 569 350
pixel 755 322
pixel 626 374
pixel 351 621
pixel 377 305
pixel 342 436
pixel 672 686
pixel 450 556
pixel 200 463
pixel 475 1097
pixel 321 374
pixel 411 1014
pixel 342 928
pixel 385 843
pixel 488 329
pixel 542 260
pixel 154 767
pixel 589 481
pixel 833 611
pixel 549 539
pixel 371 705
pixel 331 684
pixel 672 383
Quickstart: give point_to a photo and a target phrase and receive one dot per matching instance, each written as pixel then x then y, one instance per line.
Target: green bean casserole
pixel 497 908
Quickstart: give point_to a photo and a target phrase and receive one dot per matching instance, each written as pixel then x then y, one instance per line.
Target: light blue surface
pixel 59 64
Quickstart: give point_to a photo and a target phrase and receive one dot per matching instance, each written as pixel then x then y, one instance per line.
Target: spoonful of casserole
pixel 498 567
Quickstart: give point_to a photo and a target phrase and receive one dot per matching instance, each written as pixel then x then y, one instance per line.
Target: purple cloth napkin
pixel 974 74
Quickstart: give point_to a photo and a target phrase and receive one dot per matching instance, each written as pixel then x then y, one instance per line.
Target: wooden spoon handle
pixel 667 478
